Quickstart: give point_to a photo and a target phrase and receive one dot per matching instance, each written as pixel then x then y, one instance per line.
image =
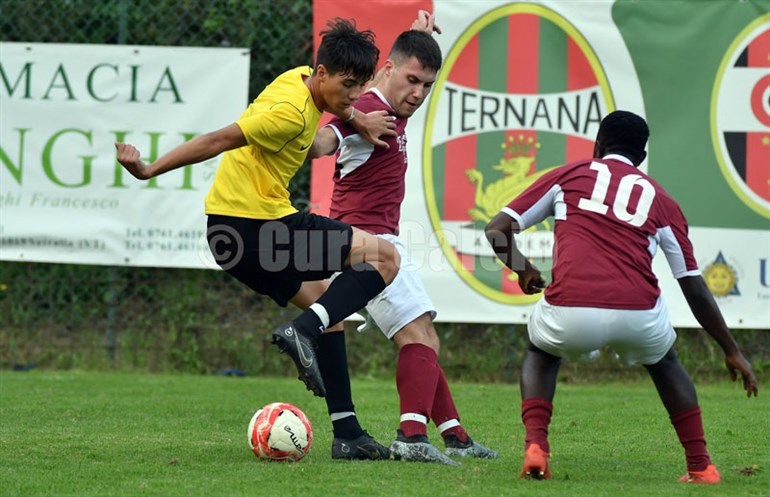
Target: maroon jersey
pixel 610 220
pixel 369 180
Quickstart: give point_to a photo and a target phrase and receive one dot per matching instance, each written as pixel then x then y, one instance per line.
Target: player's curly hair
pixel 625 133
pixel 345 50
pixel 418 44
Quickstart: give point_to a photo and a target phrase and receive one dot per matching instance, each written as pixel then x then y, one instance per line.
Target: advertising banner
pixel 63 196
pixel 523 88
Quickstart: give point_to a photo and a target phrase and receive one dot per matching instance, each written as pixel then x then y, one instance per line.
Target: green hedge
pixel 94 317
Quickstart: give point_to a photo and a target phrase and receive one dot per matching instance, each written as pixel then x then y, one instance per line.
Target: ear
pixel 597 149
pixel 321 72
pixel 642 156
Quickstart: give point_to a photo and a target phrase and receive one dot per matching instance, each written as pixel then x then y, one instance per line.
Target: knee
pixel 432 340
pixel 429 340
pixel 389 261
pixel 418 332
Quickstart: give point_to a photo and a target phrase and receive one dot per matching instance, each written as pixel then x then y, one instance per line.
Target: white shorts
pixel 404 300
pixel 638 337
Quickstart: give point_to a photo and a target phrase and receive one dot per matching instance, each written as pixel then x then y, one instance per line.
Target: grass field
pixel 91 434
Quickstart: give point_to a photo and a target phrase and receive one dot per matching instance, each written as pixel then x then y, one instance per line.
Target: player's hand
pixel 735 363
pixel 531 281
pixel 375 125
pixel 129 158
pixel 425 22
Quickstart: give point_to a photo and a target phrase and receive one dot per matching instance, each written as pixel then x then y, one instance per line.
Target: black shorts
pixel 274 257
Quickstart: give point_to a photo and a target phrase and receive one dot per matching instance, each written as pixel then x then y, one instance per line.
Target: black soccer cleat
pixel 301 349
pixel 363 447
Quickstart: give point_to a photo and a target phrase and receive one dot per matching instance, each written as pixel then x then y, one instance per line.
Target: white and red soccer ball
pixel 280 432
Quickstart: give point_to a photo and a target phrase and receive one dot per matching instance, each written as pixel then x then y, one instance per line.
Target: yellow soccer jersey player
pixel 258 238
pixel 254 233
pixel 279 126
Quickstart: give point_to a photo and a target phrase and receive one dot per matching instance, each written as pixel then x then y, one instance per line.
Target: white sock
pixel 412 416
pixel 446 425
pixel 336 416
pixel 320 311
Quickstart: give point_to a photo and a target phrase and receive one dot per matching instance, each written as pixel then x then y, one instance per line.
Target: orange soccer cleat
pixel 708 476
pixel 535 464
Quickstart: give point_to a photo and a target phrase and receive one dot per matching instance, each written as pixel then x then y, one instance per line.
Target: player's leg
pixel 273 257
pixel 366 266
pixel 647 337
pixel 240 247
pixel 369 266
pixel 456 439
pixel 673 383
pixel 351 441
pixel 538 385
pixel 332 361
pixel 677 392
pixel 447 420
pixel 404 314
pixel 416 405
pixel 417 374
pixel 554 332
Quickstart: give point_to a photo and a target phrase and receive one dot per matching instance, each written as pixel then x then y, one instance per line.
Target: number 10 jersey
pixel 610 220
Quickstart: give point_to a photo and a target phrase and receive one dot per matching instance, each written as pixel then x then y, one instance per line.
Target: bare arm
pixel 324 143
pixel 199 149
pixel 500 232
pixel 374 125
pixel 705 310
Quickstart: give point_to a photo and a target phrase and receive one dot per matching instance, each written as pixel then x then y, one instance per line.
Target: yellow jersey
pixel 279 126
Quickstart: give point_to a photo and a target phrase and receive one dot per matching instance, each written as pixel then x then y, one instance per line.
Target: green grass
pixel 91 434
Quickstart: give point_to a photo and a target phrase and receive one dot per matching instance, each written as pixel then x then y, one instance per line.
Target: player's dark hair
pixel 418 44
pixel 345 50
pixel 625 133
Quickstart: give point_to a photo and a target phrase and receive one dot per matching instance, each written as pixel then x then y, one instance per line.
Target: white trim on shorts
pixel 405 299
pixel 637 336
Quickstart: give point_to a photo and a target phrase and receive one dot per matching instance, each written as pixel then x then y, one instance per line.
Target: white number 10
pixel 620 206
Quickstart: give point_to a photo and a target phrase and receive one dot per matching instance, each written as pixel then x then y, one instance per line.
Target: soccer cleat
pixel 361 447
pixel 417 448
pixel 469 448
pixel 535 464
pixel 301 349
pixel 708 476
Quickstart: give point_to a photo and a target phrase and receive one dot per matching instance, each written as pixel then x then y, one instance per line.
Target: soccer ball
pixel 280 432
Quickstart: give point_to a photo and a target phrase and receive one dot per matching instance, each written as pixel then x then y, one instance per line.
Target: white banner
pixel 63 197
pixel 735 265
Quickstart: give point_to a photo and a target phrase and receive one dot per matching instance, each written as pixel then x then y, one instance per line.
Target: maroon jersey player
pixel 368 191
pixel 368 180
pixel 610 220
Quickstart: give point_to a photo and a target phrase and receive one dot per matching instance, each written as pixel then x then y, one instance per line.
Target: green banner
pixel 693 47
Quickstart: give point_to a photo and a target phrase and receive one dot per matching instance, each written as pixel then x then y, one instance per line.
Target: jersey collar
pixel 618 157
pixel 379 94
